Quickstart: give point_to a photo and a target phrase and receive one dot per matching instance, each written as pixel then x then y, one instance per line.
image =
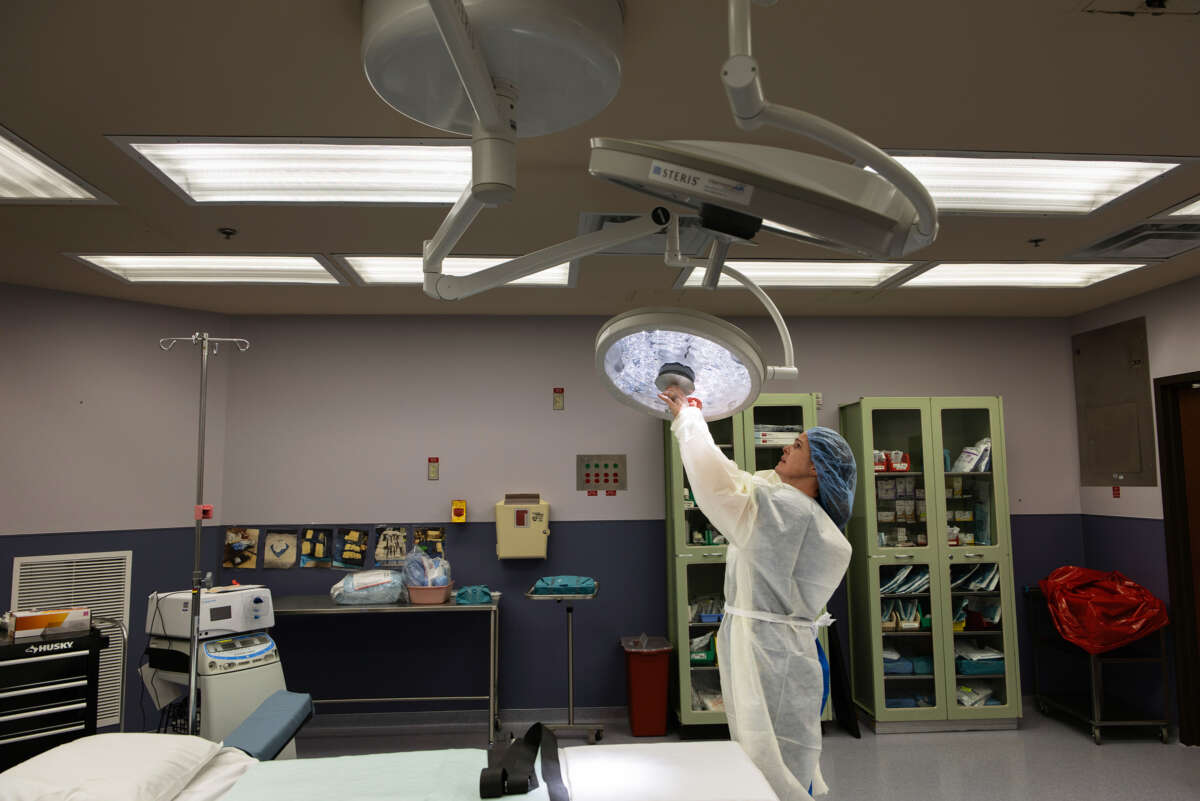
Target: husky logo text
pixel 50 646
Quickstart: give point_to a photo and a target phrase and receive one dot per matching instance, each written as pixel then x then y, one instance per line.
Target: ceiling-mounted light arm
pixel 456 287
pixel 788 369
pixel 743 86
pixel 674 258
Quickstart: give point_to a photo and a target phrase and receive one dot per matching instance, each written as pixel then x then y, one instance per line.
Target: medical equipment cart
pixel 1094 708
pixel 932 608
pixel 324 605
pixel 754 440
pixel 594 731
pixel 49 692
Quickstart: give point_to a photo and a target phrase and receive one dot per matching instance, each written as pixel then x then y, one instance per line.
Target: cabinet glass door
pixel 703 581
pixel 691 529
pixel 983 670
pixel 970 455
pixel 909 663
pixel 773 422
pixel 897 505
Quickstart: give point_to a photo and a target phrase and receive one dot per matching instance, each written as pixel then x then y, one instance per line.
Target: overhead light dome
pixel 632 348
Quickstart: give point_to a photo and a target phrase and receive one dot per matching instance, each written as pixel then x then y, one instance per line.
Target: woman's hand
pixel 675 399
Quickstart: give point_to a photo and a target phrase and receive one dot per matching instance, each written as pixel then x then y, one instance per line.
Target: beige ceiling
pixel 1011 75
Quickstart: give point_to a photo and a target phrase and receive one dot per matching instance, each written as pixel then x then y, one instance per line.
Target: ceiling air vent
pixel 693 240
pixel 1146 241
pixel 1130 7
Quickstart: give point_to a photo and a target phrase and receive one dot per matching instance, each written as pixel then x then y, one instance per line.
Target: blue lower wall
pixel 437 654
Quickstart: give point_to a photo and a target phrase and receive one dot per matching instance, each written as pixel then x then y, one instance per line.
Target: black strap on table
pixel 511 771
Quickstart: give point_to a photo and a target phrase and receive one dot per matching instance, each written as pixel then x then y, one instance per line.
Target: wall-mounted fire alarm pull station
pixel 522 526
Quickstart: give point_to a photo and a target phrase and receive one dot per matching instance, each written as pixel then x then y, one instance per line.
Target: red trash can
pixel 647 662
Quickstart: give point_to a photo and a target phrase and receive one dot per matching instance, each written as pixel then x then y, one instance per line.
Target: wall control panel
pixel 601 471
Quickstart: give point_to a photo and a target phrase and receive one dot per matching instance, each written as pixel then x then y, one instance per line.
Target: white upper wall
pixel 1173 333
pixel 331 419
pixel 97 423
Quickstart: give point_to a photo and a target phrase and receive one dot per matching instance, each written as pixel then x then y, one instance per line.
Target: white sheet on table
pixel 215 778
pixel 443 775
pixel 696 771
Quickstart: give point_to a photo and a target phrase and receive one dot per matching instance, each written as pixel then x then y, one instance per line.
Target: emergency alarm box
pixel 522 526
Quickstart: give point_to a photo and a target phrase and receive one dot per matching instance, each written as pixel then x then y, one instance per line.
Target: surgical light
pixel 727 369
pixel 801 274
pixel 1025 184
pixel 408 270
pixel 206 170
pixel 27 176
pixel 1063 274
pixel 177 268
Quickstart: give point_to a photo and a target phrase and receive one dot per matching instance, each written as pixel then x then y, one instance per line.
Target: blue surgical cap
pixel 837 473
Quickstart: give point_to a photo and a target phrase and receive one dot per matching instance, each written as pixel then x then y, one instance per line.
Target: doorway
pixel 1177 402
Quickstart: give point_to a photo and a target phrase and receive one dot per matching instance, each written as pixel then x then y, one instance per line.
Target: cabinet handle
pixel 903 556
pixel 685 555
pixel 712 554
pixel 972 556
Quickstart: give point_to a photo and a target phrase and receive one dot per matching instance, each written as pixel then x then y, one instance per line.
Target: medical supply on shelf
pixel 689 502
pixel 473 594
pixel 223 611
pixel 522 526
pixel 706 609
pixel 973 459
pixel 973 695
pixel 370 587
pixel 35 623
pixel 703 650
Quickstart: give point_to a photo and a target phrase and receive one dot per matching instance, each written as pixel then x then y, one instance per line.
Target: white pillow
pixel 110 767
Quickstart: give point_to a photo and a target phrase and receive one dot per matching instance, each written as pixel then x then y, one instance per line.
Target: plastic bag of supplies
pixel 370 587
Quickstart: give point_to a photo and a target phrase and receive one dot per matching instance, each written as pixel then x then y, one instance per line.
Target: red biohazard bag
pixel 1100 611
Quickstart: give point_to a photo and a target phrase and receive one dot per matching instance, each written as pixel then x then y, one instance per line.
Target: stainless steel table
pixel 324 605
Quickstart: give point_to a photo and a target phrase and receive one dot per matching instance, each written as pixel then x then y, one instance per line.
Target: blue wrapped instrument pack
pixel 565 585
pixel 473 594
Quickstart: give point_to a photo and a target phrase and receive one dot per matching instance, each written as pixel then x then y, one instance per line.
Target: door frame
pixel 1179 553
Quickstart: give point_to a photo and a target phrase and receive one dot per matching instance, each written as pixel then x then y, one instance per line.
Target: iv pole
pixel 201 511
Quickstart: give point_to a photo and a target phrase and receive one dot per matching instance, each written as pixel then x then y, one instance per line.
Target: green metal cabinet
pixel 695 565
pixel 932 544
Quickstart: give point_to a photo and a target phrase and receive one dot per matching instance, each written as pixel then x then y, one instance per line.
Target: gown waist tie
pixel 770 617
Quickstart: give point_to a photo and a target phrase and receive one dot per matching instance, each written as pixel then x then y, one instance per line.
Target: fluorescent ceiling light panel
pixel 310 172
pixel 191 269
pixel 1191 209
pixel 1028 185
pixel 805 273
pixel 408 269
pixel 27 176
pixel 1063 274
